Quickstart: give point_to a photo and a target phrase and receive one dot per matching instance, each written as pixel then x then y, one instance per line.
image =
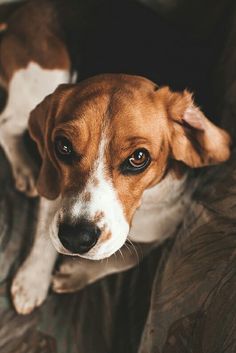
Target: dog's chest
pixel 161 211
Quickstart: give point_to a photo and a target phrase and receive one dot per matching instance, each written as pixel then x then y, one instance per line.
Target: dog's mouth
pixel 98 252
pixel 85 238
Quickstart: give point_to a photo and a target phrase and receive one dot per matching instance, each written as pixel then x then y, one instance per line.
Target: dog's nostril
pixel 86 242
pixel 78 238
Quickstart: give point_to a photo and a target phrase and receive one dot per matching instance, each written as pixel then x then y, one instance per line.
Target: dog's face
pixel 103 142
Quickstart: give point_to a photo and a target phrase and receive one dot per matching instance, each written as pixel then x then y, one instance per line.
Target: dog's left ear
pixel 193 139
pixel 40 125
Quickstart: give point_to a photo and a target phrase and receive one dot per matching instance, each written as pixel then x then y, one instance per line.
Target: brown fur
pixel 48 48
pixel 106 235
pixel 87 197
pixel 98 217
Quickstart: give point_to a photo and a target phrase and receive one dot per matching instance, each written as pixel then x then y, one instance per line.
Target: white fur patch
pixel 162 208
pixel 27 88
pixel 103 199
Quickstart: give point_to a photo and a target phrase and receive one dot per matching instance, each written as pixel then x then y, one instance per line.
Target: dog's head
pixel 105 141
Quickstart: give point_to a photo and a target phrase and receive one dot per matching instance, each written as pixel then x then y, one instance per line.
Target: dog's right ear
pixel 193 139
pixel 41 123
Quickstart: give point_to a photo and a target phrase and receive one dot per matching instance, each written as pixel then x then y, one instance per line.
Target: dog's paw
pixel 28 290
pixel 71 277
pixel 25 180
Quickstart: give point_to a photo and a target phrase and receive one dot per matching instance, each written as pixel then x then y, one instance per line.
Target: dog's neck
pixel 162 209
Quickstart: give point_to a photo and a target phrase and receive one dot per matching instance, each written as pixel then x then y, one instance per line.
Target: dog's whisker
pixel 122 256
pixel 135 249
pixel 107 261
pixel 128 248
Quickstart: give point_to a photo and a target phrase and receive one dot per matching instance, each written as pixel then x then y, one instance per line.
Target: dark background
pixel 182 297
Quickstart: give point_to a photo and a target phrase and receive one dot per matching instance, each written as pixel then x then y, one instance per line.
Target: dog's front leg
pixel 23 168
pixel 27 87
pixel 76 273
pixel 31 283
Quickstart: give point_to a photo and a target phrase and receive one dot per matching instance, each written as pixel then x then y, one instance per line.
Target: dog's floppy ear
pixel 40 125
pixel 193 139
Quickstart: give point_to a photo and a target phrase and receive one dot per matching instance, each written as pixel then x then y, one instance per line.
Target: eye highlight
pixel 63 148
pixel 137 162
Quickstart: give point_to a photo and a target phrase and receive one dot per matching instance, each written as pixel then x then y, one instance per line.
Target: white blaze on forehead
pixel 103 200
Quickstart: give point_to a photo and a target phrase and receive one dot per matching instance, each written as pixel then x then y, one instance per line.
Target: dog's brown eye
pixel 63 147
pixel 138 158
pixel 137 162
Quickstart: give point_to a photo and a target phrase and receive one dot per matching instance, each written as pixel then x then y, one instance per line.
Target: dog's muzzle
pixel 80 237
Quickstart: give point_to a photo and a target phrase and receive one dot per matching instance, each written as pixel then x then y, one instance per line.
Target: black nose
pixel 78 238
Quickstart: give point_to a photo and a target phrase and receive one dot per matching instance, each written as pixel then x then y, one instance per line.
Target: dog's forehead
pixel 106 97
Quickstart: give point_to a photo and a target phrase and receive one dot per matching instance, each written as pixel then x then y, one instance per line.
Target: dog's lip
pixel 96 257
pixel 90 255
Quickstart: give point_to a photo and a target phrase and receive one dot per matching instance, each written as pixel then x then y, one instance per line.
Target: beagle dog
pixel 106 146
pixel 115 149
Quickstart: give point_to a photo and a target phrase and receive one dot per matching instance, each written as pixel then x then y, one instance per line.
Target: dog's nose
pixel 78 238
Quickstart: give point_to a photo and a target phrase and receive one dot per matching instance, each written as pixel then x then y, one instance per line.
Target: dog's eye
pixel 63 148
pixel 137 162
